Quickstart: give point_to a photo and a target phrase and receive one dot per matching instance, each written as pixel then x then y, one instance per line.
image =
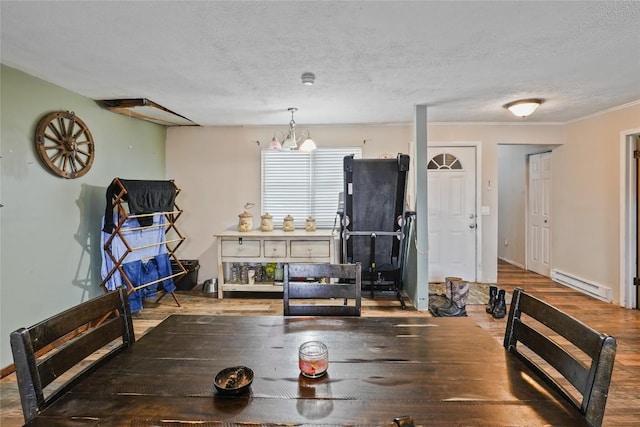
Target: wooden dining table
pixel 437 371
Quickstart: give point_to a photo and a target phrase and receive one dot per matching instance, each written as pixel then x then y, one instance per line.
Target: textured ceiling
pixel 239 63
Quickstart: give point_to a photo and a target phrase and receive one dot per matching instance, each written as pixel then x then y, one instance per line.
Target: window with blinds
pixel 304 184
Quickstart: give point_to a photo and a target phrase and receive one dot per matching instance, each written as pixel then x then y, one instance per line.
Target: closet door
pixel 539 214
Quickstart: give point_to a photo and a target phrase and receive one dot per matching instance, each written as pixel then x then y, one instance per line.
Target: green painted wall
pixel 50 226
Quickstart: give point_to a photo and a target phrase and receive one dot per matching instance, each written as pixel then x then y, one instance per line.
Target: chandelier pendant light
pixel 275 144
pixel 291 141
pixel 524 107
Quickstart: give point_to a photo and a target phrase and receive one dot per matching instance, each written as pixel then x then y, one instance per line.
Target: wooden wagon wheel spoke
pixel 78 160
pixel 78 134
pixel 65 144
pixel 54 130
pixel 58 140
pixel 56 156
pixel 61 127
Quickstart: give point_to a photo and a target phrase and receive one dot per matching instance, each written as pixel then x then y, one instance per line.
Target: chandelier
pixel 291 141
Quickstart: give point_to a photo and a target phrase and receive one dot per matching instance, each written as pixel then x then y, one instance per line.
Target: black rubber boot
pixel 493 292
pixel 500 306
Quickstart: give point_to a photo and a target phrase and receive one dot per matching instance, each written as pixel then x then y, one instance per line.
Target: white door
pixel 539 214
pixel 451 197
pixel 637 172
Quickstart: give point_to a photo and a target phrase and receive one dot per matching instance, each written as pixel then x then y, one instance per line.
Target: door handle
pixel 472 225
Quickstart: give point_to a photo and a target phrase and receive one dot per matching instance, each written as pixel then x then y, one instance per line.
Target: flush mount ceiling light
pixel 308 78
pixel 523 107
pixel 291 141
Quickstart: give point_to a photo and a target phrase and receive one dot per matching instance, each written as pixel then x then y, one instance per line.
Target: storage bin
pixel 187 281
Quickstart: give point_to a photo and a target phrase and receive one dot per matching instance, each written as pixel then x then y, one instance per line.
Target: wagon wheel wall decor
pixel 65 144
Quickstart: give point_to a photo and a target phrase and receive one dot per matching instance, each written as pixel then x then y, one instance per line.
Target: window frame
pixel 315 178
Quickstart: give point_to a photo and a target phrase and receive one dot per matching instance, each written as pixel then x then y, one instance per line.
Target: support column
pixel 421 243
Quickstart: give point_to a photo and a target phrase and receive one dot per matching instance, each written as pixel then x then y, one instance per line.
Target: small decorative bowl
pixel 234 380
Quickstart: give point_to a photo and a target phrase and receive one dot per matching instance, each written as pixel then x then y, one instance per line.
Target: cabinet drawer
pixel 275 248
pixel 241 248
pixel 310 249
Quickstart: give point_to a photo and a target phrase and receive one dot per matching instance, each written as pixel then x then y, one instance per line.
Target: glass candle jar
pixel 245 221
pixel 313 359
pixel 266 222
pixel 270 272
pixel 278 273
pixel 310 224
pixel 288 223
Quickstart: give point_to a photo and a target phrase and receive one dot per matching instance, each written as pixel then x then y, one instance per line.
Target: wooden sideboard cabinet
pixel 260 248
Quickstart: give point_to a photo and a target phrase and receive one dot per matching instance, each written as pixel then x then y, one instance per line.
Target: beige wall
pixel 489 137
pixel 218 170
pixel 586 198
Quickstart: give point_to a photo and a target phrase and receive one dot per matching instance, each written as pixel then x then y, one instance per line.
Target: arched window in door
pixel 444 161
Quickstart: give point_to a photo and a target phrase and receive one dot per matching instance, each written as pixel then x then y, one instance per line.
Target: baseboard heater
pixel 588 287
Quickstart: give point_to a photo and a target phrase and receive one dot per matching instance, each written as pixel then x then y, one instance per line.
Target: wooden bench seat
pixel 571 357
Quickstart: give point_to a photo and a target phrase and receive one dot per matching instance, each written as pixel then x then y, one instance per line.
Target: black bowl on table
pixel 234 380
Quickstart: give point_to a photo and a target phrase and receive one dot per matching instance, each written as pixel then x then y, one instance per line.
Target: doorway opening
pixel 513 203
pixel 453 212
pixel 630 218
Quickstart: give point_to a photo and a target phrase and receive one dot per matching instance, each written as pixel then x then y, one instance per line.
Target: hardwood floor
pixel 623 405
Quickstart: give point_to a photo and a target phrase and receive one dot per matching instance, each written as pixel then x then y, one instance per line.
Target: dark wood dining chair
pixel 551 342
pixel 61 350
pixel 322 289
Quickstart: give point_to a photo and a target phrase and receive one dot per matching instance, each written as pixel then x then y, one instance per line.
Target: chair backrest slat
pixel 319 290
pixel 51 329
pixel 78 349
pixel 578 333
pixel 342 283
pixel 336 271
pixel 554 354
pixel 56 346
pixel 589 370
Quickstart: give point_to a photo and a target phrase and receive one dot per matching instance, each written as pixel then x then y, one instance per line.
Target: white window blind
pixel 304 184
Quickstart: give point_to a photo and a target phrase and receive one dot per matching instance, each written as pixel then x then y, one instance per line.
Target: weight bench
pixel 551 342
